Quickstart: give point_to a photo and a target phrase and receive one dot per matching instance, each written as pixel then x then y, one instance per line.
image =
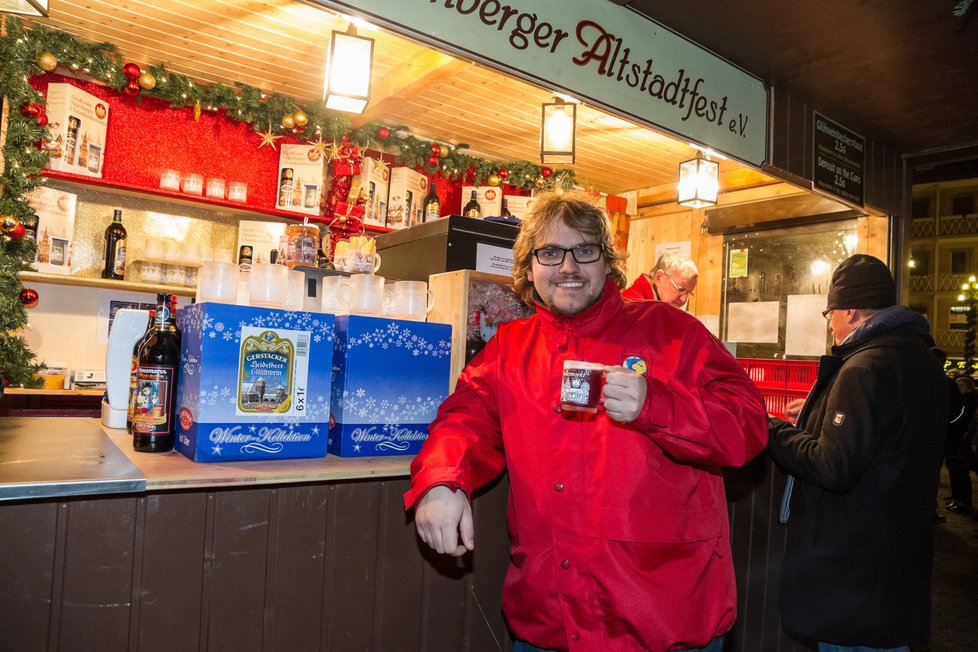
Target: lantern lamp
pixel 699 182
pixel 348 68
pixel 558 128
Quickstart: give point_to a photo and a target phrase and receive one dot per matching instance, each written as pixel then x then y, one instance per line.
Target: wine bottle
pixel 504 211
pixel 151 323
pixel 474 342
pixel 115 248
pixel 432 205
pixel 472 208
pixel 153 418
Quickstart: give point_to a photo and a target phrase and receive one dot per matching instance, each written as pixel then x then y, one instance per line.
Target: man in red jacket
pixel 617 519
pixel 672 280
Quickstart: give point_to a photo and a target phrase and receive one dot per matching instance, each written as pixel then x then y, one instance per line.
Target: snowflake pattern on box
pixel 212 425
pixel 390 376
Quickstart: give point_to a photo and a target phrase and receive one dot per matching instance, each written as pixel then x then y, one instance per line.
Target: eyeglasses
pixel 827 313
pixel 680 289
pixel 582 253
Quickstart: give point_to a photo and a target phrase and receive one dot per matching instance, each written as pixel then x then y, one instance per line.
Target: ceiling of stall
pixel 280 45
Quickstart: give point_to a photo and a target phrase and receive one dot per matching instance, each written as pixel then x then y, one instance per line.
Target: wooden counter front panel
pixel 328 566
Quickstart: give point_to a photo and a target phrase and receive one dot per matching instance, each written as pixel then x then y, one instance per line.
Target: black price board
pixel 839 160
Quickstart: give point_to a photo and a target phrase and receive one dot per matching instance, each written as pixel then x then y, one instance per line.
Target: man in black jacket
pixel 864 460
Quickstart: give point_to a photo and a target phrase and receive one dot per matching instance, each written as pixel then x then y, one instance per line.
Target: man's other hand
pixel 443 514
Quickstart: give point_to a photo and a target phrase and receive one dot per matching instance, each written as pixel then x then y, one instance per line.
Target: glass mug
pixel 268 285
pixel 366 293
pixel 336 295
pixel 412 300
pixel 359 262
pixel 217 281
pixel 580 387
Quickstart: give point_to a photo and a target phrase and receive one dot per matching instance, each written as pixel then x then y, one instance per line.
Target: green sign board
pixel 602 53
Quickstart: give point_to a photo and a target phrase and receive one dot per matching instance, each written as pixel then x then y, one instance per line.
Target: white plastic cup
pixel 412 300
pixel 336 295
pixel 297 295
pixel 268 286
pixel 366 294
pixel 217 281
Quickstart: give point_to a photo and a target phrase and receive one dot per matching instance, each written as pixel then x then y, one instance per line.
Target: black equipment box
pixel 446 245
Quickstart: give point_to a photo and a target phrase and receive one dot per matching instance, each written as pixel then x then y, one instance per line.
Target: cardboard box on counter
pixel 375 176
pixel 390 376
pixel 254 383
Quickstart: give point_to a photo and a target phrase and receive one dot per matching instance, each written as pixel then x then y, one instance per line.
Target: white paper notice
pixel 494 260
pixel 753 321
pixel 805 329
pixel 683 248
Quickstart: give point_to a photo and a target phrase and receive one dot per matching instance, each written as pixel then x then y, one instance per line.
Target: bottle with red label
pixel 153 419
pixel 135 366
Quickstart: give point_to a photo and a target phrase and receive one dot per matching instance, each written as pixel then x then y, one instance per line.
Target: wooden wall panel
pixel 97 587
pixel 296 566
pixel 168 572
pixel 351 564
pixel 28 534
pixel 400 567
pixel 235 558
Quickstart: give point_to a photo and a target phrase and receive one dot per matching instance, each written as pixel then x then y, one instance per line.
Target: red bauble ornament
pixel 131 71
pixel 18 231
pixel 31 110
pixel 383 133
pixel 299 129
pixel 433 161
pixel 435 150
pixel 503 174
pixel 546 172
pixel 132 88
pixel 28 297
pixel 42 120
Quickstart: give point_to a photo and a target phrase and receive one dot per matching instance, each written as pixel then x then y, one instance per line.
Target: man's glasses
pixel 827 313
pixel 680 289
pixel 582 253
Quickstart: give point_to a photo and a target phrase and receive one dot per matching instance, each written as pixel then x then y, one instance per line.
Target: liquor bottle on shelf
pixel 71 139
pixel 431 203
pixel 472 208
pixel 286 184
pixel 504 211
pixel 135 366
pixel 153 418
pixel 115 248
pixel 245 257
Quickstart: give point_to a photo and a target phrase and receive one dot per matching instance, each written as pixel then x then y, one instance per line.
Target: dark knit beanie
pixel 861 281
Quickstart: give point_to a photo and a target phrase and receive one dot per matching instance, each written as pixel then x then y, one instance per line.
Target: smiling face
pixel 570 287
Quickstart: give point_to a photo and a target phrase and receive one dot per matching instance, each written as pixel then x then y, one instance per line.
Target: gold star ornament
pixel 268 137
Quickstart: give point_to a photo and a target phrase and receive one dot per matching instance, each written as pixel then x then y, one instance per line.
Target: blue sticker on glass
pixel 636 364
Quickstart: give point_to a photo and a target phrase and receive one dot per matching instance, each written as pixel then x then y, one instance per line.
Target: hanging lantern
pixel 699 182
pixel 558 128
pixel 348 67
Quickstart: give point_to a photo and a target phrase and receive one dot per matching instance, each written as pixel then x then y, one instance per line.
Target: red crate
pixel 776 400
pixel 781 374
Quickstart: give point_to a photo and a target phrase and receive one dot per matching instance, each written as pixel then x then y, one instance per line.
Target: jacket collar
pixel 592 320
pixel 885 321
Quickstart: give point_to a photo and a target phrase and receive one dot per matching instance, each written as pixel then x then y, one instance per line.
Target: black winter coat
pixel 866 454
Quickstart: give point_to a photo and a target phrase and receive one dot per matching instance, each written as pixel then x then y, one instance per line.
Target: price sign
pixel 839 160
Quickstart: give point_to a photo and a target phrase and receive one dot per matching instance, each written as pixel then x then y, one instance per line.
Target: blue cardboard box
pixel 389 377
pixel 254 383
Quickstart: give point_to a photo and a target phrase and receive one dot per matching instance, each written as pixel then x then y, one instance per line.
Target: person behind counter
pixel 865 455
pixel 672 280
pixel 617 519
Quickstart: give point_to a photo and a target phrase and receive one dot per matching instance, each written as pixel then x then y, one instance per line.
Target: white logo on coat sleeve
pixel 838 418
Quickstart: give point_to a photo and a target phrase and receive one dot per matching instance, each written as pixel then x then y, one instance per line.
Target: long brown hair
pixel 578 211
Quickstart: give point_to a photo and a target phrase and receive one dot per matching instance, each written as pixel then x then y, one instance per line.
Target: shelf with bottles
pixel 104 283
pixel 68 182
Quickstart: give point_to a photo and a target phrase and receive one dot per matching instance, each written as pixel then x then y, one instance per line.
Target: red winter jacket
pixel 619 531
